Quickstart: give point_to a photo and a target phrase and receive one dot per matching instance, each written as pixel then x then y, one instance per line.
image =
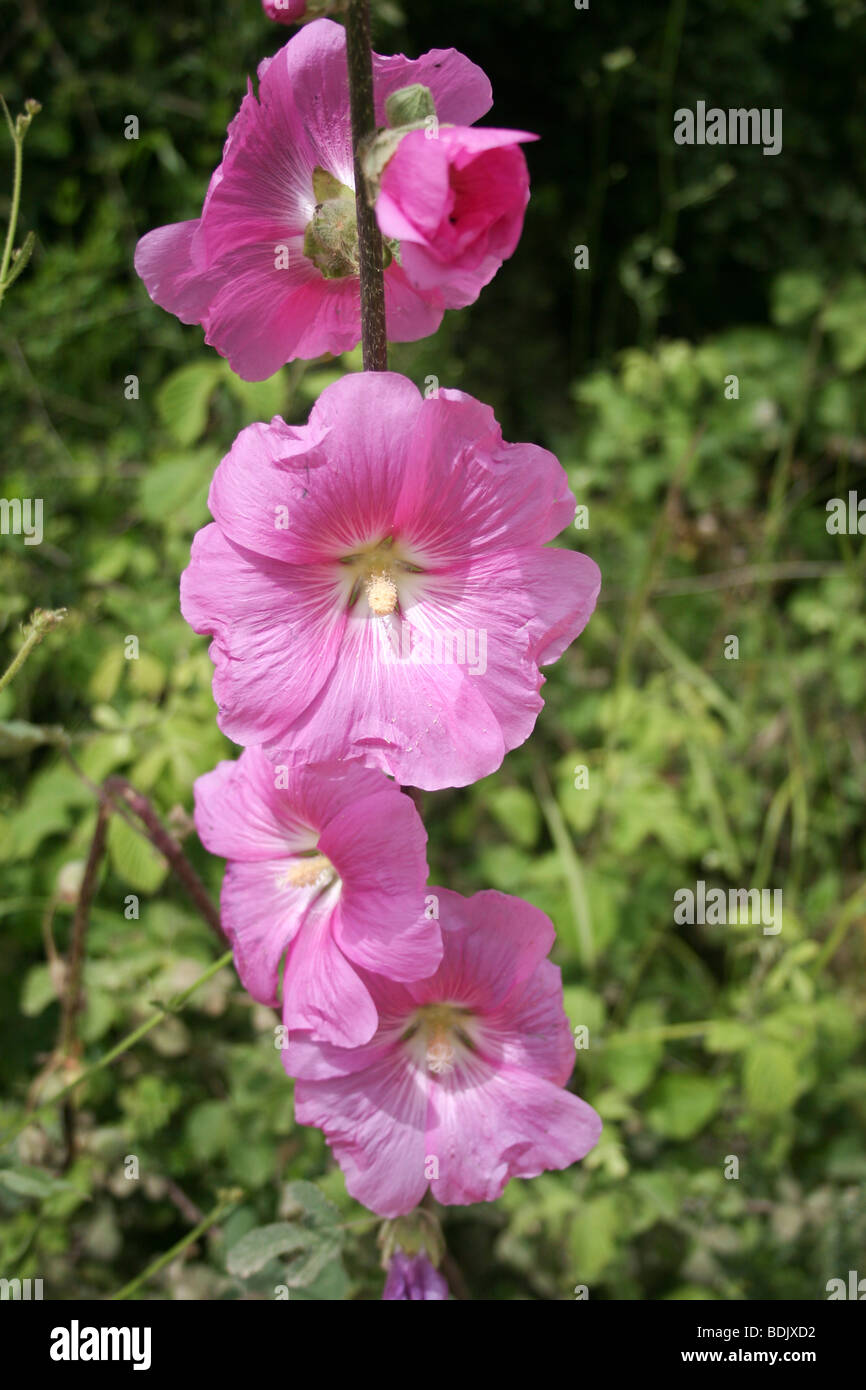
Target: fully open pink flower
pixel 244 269
pixel 461 1088
pixel 413 1278
pixel 284 11
pixel 455 204
pixel 327 869
pixel 378 583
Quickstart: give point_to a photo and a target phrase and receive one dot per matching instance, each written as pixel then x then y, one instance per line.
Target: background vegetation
pixel 707 516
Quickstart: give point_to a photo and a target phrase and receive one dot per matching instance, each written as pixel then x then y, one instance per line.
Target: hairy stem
pixel 42 621
pixel 374 339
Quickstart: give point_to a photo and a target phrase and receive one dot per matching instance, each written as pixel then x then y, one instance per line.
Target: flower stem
pixel 118 791
pixel 41 621
pixel 374 339
pixel 227 1200
pixel 75 966
pixel 17 142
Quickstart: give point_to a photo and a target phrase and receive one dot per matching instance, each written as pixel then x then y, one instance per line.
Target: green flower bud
pixel 416 1233
pixel 410 106
pixel 331 237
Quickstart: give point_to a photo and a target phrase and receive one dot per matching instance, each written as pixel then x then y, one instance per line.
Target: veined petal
pixel 487 1126
pixel 322 994
pixel 276 631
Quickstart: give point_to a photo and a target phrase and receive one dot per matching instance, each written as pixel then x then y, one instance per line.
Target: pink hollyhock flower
pixel 327 869
pixel 461 1088
pixel 413 1277
pixel 455 204
pixel 284 11
pixel 270 267
pixel 378 585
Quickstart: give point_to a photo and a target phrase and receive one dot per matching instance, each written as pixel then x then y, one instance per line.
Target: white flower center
pixel 439 1035
pixel 381 572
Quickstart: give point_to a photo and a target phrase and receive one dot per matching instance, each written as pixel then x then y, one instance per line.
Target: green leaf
pixel 330 1286
pixel 796 295
pixel 209 1129
pixel 265 1243
pixel 134 857
pixel 678 1106
pixel 728 1035
pixel 17 736
pixel 302 1201
pixel 518 813
pixel 584 1008
pixel 174 489
pixel 845 319
pixel 322 1250
pixel 771 1077
pixel 261 400
pixel 182 400
pixel 38 991
pixel 632 1066
pixel 326 186
pixel 32 1182
pixel 593 1238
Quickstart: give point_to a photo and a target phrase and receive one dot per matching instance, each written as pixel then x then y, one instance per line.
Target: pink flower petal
pixel 530 1031
pixel 276 634
pixel 376 1131
pixel 410 721
pixel 498 1125
pixel 373 845
pixel 461 90
pixel 261 916
pixel 322 994
pixel 493 944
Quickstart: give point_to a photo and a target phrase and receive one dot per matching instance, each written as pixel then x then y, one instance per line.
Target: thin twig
pixel 229 1199
pixel 731 579
pixel 72 994
pixel 72 990
pixel 118 790
pixel 172 1006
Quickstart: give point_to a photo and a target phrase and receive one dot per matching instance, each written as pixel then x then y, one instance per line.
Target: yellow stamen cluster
pixel 377 571
pixel 441 1030
pixel 305 873
pixel 440 1051
pixel 381 593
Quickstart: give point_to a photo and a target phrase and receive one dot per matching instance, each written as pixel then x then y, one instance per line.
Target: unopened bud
pixel 69 881
pixel 409 106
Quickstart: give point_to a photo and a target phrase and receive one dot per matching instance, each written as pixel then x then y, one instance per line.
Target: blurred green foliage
pixel 656 762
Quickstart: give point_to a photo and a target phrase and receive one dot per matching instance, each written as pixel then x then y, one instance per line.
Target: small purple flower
pixel 413 1277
